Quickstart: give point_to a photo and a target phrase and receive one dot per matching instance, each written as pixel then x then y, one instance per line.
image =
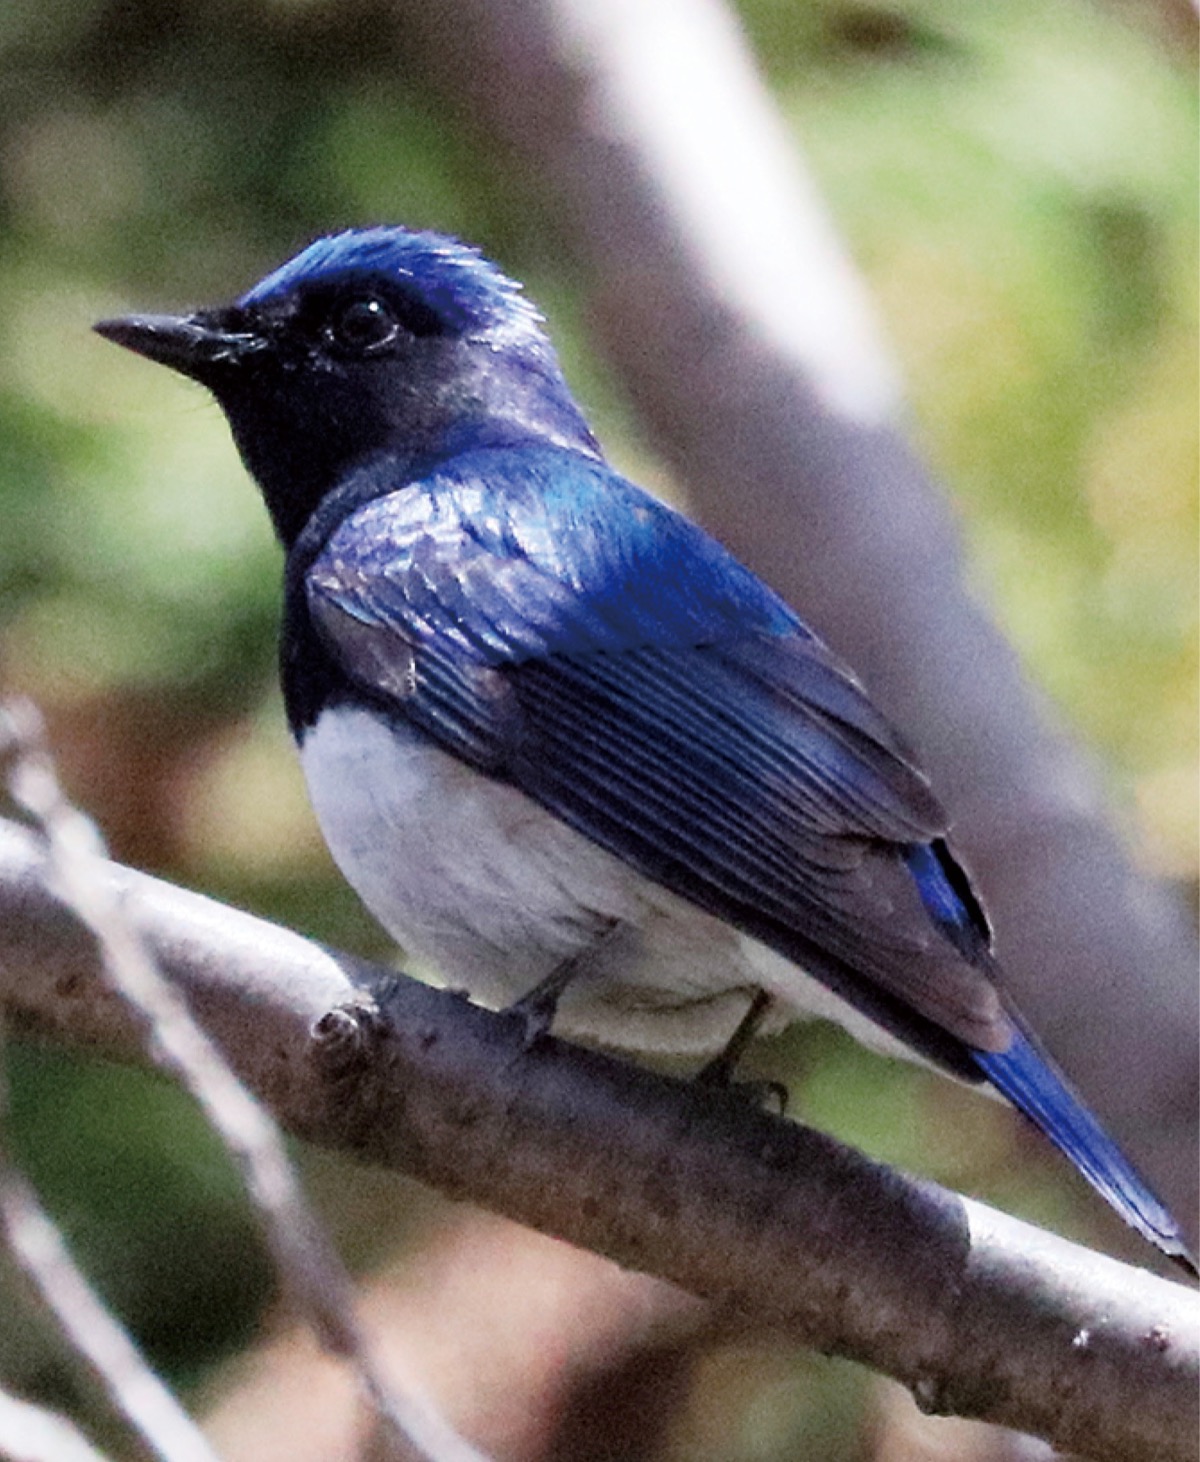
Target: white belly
pixel 495 892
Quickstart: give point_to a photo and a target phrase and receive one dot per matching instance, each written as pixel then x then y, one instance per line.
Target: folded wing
pixel 647 689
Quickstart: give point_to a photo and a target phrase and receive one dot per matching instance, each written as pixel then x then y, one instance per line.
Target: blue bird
pixel 562 744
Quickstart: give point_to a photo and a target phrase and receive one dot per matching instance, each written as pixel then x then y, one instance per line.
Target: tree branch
pixel 773 1223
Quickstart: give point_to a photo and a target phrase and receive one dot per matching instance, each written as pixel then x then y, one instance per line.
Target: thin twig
pixel 135 1390
pixel 30 1433
pixel 307 1263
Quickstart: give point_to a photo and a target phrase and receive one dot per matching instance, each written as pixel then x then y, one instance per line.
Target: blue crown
pixel 455 280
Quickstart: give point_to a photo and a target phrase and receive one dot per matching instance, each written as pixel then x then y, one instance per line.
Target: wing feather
pixel 657 697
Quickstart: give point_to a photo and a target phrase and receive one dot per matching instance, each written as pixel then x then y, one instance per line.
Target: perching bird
pixel 557 738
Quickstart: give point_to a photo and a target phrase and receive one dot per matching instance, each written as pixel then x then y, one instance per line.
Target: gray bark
pixel 776 1225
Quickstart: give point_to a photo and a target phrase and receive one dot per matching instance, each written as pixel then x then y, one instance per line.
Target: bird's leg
pixel 537 1007
pixel 719 1071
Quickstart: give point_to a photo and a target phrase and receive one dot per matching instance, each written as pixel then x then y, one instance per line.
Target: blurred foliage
pixel 1019 184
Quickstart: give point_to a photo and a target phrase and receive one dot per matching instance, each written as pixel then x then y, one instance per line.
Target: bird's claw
pixel 718 1074
pixel 536 1011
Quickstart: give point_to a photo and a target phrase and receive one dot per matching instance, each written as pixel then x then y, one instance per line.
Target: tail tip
pixel 1030 1080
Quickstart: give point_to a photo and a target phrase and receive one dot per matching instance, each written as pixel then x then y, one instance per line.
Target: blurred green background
pixel 1019 184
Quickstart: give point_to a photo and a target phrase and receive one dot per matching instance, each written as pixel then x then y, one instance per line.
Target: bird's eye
pixel 363 325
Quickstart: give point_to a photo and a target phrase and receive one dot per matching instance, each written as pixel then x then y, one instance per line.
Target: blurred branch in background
pixel 133 1388
pixel 1177 20
pixel 29 1433
pixel 506 1327
pixel 777 1225
pixel 724 300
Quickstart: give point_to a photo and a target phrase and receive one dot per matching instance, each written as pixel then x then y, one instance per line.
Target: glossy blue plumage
pixel 528 552
pixel 518 631
pixel 454 280
pixel 561 628
pixel 1025 1075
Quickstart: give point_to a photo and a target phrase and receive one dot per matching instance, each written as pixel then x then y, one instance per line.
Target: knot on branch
pixel 346 1039
pixel 352 1049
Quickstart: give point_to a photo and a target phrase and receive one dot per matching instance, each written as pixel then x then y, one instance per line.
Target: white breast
pixel 495 892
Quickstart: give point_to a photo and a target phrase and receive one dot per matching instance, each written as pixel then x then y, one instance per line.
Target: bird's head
pixel 374 341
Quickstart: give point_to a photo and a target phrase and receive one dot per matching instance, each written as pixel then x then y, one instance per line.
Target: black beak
pixel 199 345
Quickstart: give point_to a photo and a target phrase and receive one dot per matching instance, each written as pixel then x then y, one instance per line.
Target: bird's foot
pixel 719 1071
pixel 537 1008
pixel 768 1095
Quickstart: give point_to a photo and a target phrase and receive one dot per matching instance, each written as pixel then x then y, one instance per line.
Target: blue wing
pixel 551 623
pixel 547 621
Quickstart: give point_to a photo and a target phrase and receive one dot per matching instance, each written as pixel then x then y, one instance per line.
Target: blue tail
pixel 1029 1079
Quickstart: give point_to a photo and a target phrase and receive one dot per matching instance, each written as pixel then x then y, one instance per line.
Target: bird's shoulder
pixel 458 592
pixel 495 559
pixel 534 551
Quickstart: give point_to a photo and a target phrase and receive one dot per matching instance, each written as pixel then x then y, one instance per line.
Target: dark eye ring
pixel 363 325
